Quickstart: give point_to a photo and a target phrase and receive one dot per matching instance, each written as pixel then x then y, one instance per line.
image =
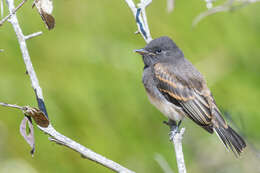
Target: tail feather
pixel 230 139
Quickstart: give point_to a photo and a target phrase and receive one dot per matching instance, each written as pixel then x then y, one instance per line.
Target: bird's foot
pixel 174 128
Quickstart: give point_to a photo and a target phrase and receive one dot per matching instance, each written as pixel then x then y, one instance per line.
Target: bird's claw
pixel 174 130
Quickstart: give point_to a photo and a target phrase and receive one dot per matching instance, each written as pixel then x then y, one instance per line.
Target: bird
pixel 175 87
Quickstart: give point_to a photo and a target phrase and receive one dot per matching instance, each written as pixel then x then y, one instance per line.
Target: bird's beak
pixel 141 51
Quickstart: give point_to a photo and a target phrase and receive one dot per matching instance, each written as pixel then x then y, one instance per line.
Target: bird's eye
pixel 158 51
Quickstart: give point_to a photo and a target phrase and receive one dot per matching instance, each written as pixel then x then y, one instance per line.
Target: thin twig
pixel 140 17
pixel 163 163
pixel 11 106
pixel 27 37
pixel 12 12
pixel 214 10
pixel 87 153
pixel 2 8
pixel 227 6
pixel 170 5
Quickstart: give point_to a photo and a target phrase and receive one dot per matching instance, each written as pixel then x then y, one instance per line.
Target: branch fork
pixel 40 115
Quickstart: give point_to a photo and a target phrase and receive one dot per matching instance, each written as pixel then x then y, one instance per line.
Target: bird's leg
pixel 179 124
pixel 174 127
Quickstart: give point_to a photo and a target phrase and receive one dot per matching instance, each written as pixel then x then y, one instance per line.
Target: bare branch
pixel 221 8
pixel 87 153
pixel 2 8
pixel 227 6
pixel 143 28
pixel 11 106
pixel 12 12
pixel 163 163
pixel 142 6
pixel 177 141
pixel 170 5
pixel 209 3
pixel 27 37
pixel 140 17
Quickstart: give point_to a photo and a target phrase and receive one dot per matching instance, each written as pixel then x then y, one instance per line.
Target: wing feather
pixel 179 90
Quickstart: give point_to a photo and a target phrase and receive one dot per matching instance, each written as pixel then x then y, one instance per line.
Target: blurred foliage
pixel 91 81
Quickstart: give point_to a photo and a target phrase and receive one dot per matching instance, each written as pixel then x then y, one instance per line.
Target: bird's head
pixel 159 50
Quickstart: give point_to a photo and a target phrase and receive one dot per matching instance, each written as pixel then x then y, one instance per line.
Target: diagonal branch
pixel 11 12
pixel 225 7
pixel 163 163
pixel 56 136
pixel 140 17
pixel 229 5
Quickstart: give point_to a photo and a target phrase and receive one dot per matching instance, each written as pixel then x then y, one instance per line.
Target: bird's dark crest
pixel 164 43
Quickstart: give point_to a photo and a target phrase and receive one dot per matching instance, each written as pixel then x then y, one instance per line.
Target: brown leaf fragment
pixel 49 20
pixel 28 136
pixel 37 115
pixel 45 8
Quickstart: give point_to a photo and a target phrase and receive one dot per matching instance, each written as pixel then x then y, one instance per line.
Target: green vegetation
pixel 91 81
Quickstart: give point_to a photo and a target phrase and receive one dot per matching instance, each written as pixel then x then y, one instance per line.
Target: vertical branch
pixel 140 17
pixel 170 5
pixel 2 8
pixel 142 24
pixel 177 141
pixel 142 6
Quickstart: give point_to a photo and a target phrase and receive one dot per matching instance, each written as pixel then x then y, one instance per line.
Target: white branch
pixel 27 37
pixel 140 17
pixel 85 152
pixel 170 5
pixel 12 12
pixel 177 141
pixel 59 138
pixel 143 28
pixel 229 5
pixel 163 163
pixel 2 8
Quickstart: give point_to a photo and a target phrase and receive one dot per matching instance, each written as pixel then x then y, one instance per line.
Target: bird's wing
pixel 184 92
pixel 191 94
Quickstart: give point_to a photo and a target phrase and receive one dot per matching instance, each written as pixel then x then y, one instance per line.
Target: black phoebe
pixel 177 89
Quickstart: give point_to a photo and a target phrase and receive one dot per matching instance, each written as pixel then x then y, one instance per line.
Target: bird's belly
pixel 168 109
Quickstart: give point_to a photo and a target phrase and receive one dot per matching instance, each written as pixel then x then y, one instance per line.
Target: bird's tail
pixel 230 138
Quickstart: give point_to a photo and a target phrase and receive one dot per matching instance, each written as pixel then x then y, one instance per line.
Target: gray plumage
pixel 178 90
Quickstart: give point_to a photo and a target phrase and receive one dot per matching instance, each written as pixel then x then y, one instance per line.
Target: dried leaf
pixel 37 115
pixel 29 137
pixel 45 8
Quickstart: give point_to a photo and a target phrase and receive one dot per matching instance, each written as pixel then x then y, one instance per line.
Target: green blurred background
pixel 91 81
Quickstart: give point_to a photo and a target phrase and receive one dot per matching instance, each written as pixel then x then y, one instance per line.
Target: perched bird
pixel 178 90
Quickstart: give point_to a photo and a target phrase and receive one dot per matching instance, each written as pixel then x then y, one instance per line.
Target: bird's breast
pixel 168 109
